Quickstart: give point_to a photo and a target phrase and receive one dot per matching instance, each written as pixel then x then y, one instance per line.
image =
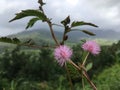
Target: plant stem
pixel 52 32
pixel 63 38
pixel 84 74
pixel 88 79
pixel 83 81
pixel 84 61
pixel 69 77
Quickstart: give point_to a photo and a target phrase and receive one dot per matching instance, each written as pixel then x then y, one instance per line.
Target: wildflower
pixel 62 54
pixel 92 47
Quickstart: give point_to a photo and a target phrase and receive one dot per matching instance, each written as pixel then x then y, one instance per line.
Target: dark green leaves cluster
pixel 10 40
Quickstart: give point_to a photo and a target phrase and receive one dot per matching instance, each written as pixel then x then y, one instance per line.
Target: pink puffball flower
pixel 92 47
pixel 62 54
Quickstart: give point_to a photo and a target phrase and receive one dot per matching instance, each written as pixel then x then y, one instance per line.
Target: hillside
pixel 73 36
pixel 109 79
pixel 42 36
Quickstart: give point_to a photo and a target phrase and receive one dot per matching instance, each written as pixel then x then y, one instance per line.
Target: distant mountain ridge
pixel 44 34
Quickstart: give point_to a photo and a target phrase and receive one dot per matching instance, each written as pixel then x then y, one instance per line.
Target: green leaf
pixel 89 66
pixel 32 22
pixel 88 32
pixel 66 21
pixel 80 23
pixel 10 40
pixel 29 12
pixel 84 31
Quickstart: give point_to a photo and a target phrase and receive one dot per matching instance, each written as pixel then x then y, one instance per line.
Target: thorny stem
pixel 84 74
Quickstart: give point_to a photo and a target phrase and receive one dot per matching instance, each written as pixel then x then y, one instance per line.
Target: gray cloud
pixel 104 13
pixel 106 3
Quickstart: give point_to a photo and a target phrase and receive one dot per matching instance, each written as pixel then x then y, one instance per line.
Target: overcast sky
pixel 104 13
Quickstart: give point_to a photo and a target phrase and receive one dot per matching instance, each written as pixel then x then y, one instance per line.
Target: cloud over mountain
pixel 104 13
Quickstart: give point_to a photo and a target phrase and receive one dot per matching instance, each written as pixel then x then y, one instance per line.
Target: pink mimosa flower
pixel 62 54
pixel 92 47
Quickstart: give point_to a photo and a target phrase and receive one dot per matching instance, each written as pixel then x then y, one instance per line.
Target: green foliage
pixel 32 22
pixel 38 15
pixel 117 56
pixel 80 23
pixel 106 58
pixel 28 65
pixel 109 79
pixel 3 83
pixel 10 40
pixel 39 67
pixel 66 21
pixel 13 63
pixel 74 74
pixel 88 32
pixel 40 72
pixel 26 13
